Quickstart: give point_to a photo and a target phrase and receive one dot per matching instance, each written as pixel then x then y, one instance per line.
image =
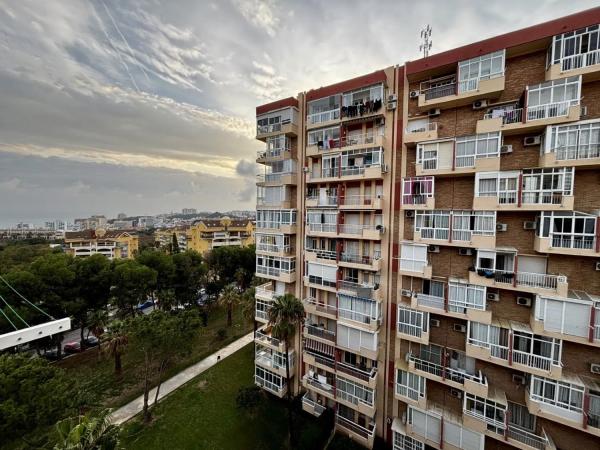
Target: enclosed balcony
pixel 270 381
pixel 414 260
pixel 548 103
pixel 356 340
pixel 567 233
pixel 357 202
pixel 283 121
pixel 350 257
pixel 412 325
pixel 363 104
pixel 575 144
pixel 278 148
pixel 274 196
pixel 571 401
pixel 322 112
pixel 321 197
pixel 320 332
pixel 475 229
pixel 419 130
pixel 574 317
pixel 514 345
pixel 264 296
pixel 282 220
pixel 323 140
pixel 409 387
pixel 274 361
pixel 276 268
pixel 264 337
pixel 463 155
pixel 323 223
pixel 276 244
pixel 477 78
pixel 504 268
pixel 575 53
pixel 278 173
pixel 526 190
pixel 321 276
pixel 355 395
pixel 359 311
pixel 418 193
pixel 348 165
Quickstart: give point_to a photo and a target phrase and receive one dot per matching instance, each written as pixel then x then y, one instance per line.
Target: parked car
pixel 91 341
pixel 146 304
pixel 72 347
pixel 50 355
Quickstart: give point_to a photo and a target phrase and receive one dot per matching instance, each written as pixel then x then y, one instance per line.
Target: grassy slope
pixel 203 415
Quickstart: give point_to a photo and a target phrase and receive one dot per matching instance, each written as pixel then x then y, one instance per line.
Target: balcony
pixel 361 202
pixel 278 148
pixel 574 317
pixel 311 406
pixel 575 144
pixel 455 157
pixel 363 104
pixel 414 261
pixel 409 387
pixel 571 233
pixel 320 256
pixel 359 231
pixel 467 306
pixel 365 435
pixel 473 229
pixel 319 333
pixel 446 92
pixel 415 133
pixel 362 262
pixel 264 296
pixel 319 361
pixel 355 396
pixel 284 121
pixel 369 289
pixel 418 193
pixel 276 273
pixel 573 54
pixel 361 141
pixel 270 381
pixel 269 220
pixel 263 336
pixel 318 201
pixel 276 179
pixel 328 229
pixel 363 375
pixel 361 165
pixel 319 383
pixel 277 249
pixel 412 325
pixel 274 362
pixel 313 306
pixel 359 311
pixel 323 118
pixel 520 281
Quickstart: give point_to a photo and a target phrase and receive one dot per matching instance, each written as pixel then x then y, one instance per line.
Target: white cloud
pixel 260 13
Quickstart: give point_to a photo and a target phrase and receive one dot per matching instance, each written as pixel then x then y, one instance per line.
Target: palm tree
pixel 229 298
pixel 285 316
pixel 249 309
pixel 87 433
pixel 116 343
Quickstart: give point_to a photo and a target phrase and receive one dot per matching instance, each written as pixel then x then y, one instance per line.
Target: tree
pixel 88 432
pixel 163 265
pixel 229 298
pixel 190 276
pixel 33 394
pixel 160 336
pixel 249 398
pixel 116 342
pixel 285 316
pixel 174 244
pixel 132 283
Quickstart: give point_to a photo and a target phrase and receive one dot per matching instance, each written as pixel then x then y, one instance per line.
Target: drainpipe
pixel 450 227
pixel 516 271
pixel 520 190
pixel 510 347
pixel 592 323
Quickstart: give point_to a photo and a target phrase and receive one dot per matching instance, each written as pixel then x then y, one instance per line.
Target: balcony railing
pixel 534 361
pixel 430 301
pixel 359 289
pixel 557 109
pixel 322 227
pixel 360 139
pixel 588 152
pixel 359 259
pixel 457 375
pixel 315 383
pixel 365 433
pixel 269 385
pixel 410 329
pixel 320 332
pixel 508 116
pixel 360 200
pixel 357 229
pixel 272 271
pixel 527 437
pixel 323 254
pixel 579 61
pixel 320 307
pixel 440 87
pixel 267 339
pixel 416 191
pixel 534 280
pixel 441 234
pixel 318 409
pixel 431 126
pixel 259 314
pixel 323 116
pixel 581 242
pixel 496 350
pixel 328 362
pixel 330 200
pixel 544 197
pixel 364 374
pixel 272 128
pixel 274 248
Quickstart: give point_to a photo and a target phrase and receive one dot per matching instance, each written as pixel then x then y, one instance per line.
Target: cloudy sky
pixel 147 106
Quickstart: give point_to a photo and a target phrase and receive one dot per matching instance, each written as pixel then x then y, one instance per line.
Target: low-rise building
pixel 207 234
pixel 114 244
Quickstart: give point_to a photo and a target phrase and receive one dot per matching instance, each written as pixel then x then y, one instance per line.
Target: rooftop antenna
pixel 427 42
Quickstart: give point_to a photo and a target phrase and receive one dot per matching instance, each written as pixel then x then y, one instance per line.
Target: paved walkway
pixel 124 413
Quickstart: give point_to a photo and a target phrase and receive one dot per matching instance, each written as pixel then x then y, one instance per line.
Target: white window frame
pixel 471 71
pixel 410 385
pixel 575 141
pixel 412 322
pixel 476 146
pixel 558 103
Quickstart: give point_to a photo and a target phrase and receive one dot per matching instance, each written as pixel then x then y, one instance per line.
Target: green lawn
pixel 203 415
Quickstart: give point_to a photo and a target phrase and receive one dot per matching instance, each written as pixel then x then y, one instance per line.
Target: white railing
pixel 360 200
pixel 581 60
pixel 508 116
pixel 326 387
pixel 535 361
pixel 347 228
pixel 323 254
pixel 580 242
pixel 557 109
pixel 410 329
pixel 264 315
pixel 588 152
pixel 430 301
pixel 269 385
pixel 544 197
pixel 361 374
pixel 457 375
pixel 468 85
pixel 497 351
pixel 431 126
pixel 321 307
pixel 527 437
pixel 318 409
pixel 323 116
pixel 261 129
pixel 460 306
pixel 443 89
pixel 272 152
pixel 265 338
pixel 535 280
pixel 355 287
pixel 359 139
pixel 319 332
pixel 322 227
pixel 423 185
pixel 272 271
pixel 359 259
pixel 329 200
pixel 408 392
pixel 365 433
pixel 413 265
pixel 441 234
pixel 274 248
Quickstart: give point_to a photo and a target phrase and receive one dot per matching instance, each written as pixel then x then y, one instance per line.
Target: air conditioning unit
pixel 433 248
pixel 392 98
pixel 523 301
pixel 457 393
pixel 584 111
pixel 597 265
pixel 493 296
pixel 406 292
pixel 506 149
pixel 384 168
pixel 480 104
pixel 519 379
pixel 529 225
pixel 413 94
pixel 459 327
pixel 501 227
pixel 435 323
pixel 465 251
pixel 409 214
pixel 434 112
pixel 391 106
pixel 532 140
pixel 595 368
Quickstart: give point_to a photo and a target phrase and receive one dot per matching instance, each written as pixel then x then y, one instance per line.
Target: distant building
pixel 114 244
pixel 121 216
pixel 164 237
pixel 122 224
pixel 91 223
pixel 189 211
pixel 146 222
pixel 207 234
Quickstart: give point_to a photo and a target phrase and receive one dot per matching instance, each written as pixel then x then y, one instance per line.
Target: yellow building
pixel 114 244
pixel 165 237
pixel 207 234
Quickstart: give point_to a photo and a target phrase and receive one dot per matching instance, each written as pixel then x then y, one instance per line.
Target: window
pixel 435 155
pixel 491 412
pixel 503 185
pixel 353 393
pixel 547 186
pixel 433 224
pixel 469 148
pixel 324 109
pixel 358 309
pixel 363 95
pixel 403 442
pixel 275 218
pixel 491 337
pixel 552 98
pixel 322 274
pixel 355 339
pixel 325 138
pixel 321 221
pixel 412 322
pixel 413 257
pixel 410 385
pixel 575 49
pixel 568 229
pixel 557 393
pixel 462 296
pixel 578 141
pixel 569 317
pixel 484 67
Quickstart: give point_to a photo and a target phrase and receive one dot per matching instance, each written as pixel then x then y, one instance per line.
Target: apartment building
pixel 440 221
pixel 163 238
pixel 114 244
pixel 206 234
